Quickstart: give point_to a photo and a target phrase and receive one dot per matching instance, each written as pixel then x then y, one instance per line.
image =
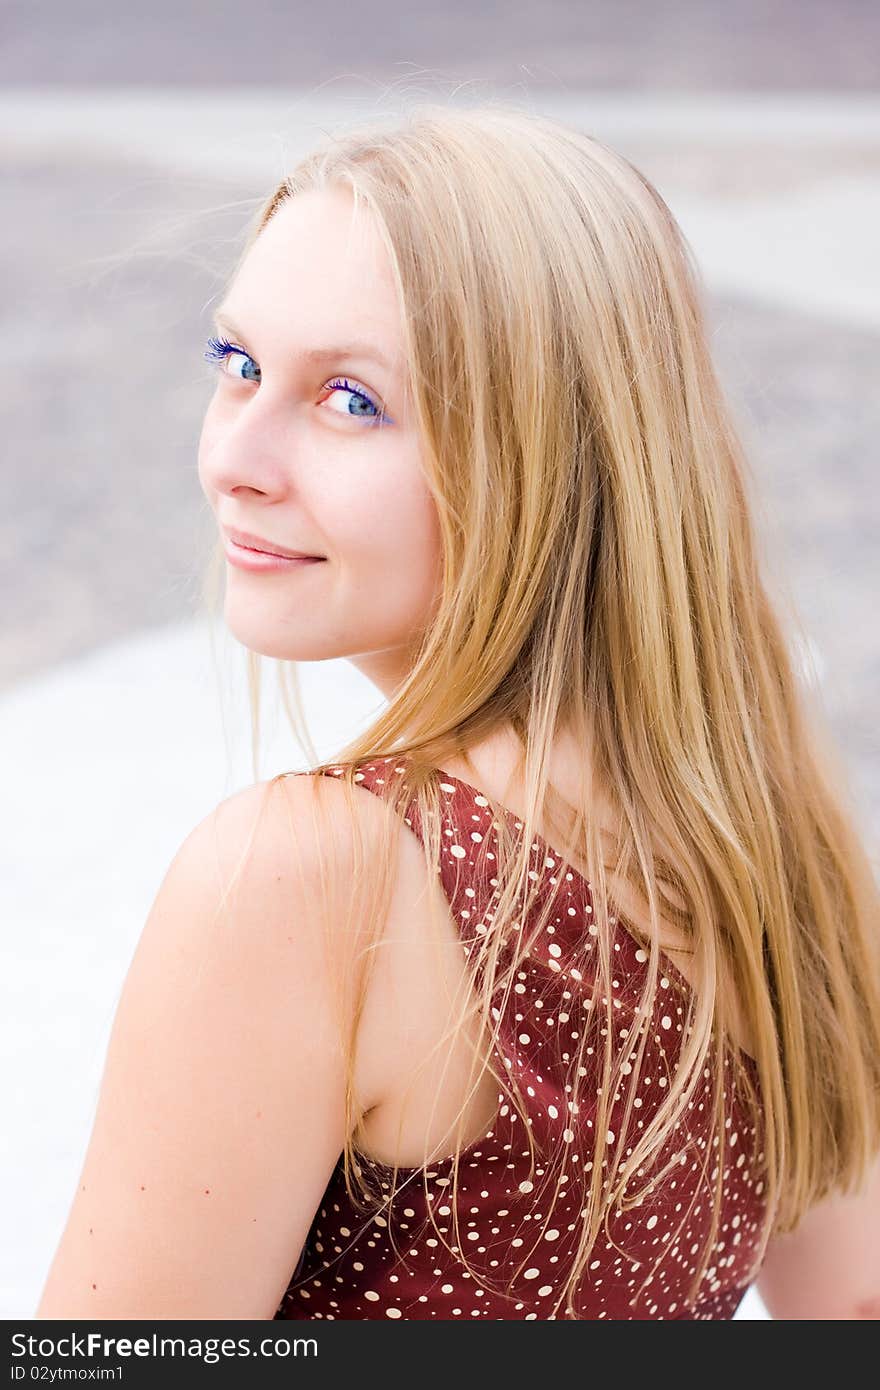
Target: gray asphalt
pixel 699 45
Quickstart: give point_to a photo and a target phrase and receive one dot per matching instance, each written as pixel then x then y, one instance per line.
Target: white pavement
pixel 112 759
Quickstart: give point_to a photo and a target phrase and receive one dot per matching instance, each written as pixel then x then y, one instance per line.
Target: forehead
pixel 319 260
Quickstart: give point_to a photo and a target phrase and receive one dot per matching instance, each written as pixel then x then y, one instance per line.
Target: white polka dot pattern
pixel 349 1268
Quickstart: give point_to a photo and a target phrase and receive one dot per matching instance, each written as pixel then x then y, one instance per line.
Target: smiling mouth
pixel 277 554
pixel 247 557
pixel 254 544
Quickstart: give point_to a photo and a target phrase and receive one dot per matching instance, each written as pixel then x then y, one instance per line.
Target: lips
pixel 264 547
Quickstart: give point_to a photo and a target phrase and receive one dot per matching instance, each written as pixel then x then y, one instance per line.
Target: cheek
pixel 393 545
pixel 422 550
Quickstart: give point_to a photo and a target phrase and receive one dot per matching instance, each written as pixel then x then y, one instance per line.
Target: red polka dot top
pixel 392 1265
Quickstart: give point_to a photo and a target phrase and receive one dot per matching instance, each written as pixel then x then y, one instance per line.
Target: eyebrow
pixel 353 348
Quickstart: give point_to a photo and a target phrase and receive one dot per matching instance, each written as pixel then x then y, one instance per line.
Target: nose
pixel 247 446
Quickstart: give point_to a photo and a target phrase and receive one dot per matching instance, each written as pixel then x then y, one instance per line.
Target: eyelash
pixel 219 349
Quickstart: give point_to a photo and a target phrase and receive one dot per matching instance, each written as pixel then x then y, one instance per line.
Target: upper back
pixel 499 1215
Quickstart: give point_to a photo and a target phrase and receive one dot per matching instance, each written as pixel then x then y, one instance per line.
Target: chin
pixel 260 638
pixel 279 641
pixel 261 645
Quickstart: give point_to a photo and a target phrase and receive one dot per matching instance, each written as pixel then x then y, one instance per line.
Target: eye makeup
pixel 220 350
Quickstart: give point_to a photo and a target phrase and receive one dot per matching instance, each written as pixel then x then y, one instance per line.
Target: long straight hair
pixel 600 575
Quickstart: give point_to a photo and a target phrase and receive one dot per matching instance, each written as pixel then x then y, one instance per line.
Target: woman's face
pixel 309 444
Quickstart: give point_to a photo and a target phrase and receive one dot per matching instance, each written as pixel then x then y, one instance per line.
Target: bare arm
pixel 220 1116
pixel 829 1268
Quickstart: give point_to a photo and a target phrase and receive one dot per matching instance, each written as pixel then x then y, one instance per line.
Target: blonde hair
pixel 600 575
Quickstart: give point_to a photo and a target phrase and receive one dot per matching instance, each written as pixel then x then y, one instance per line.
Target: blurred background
pixel 134 145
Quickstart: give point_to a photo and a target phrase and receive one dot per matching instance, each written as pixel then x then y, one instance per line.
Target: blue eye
pixel 219 350
pixel 359 399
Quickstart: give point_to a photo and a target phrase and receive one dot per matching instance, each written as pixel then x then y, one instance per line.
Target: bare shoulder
pixel 223 1103
pixel 829 1268
pixel 289 832
pixel 313 836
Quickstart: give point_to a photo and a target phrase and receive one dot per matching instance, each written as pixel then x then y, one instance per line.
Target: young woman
pixel 556 994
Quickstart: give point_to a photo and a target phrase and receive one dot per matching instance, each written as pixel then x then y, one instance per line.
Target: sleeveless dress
pixel 354 1266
